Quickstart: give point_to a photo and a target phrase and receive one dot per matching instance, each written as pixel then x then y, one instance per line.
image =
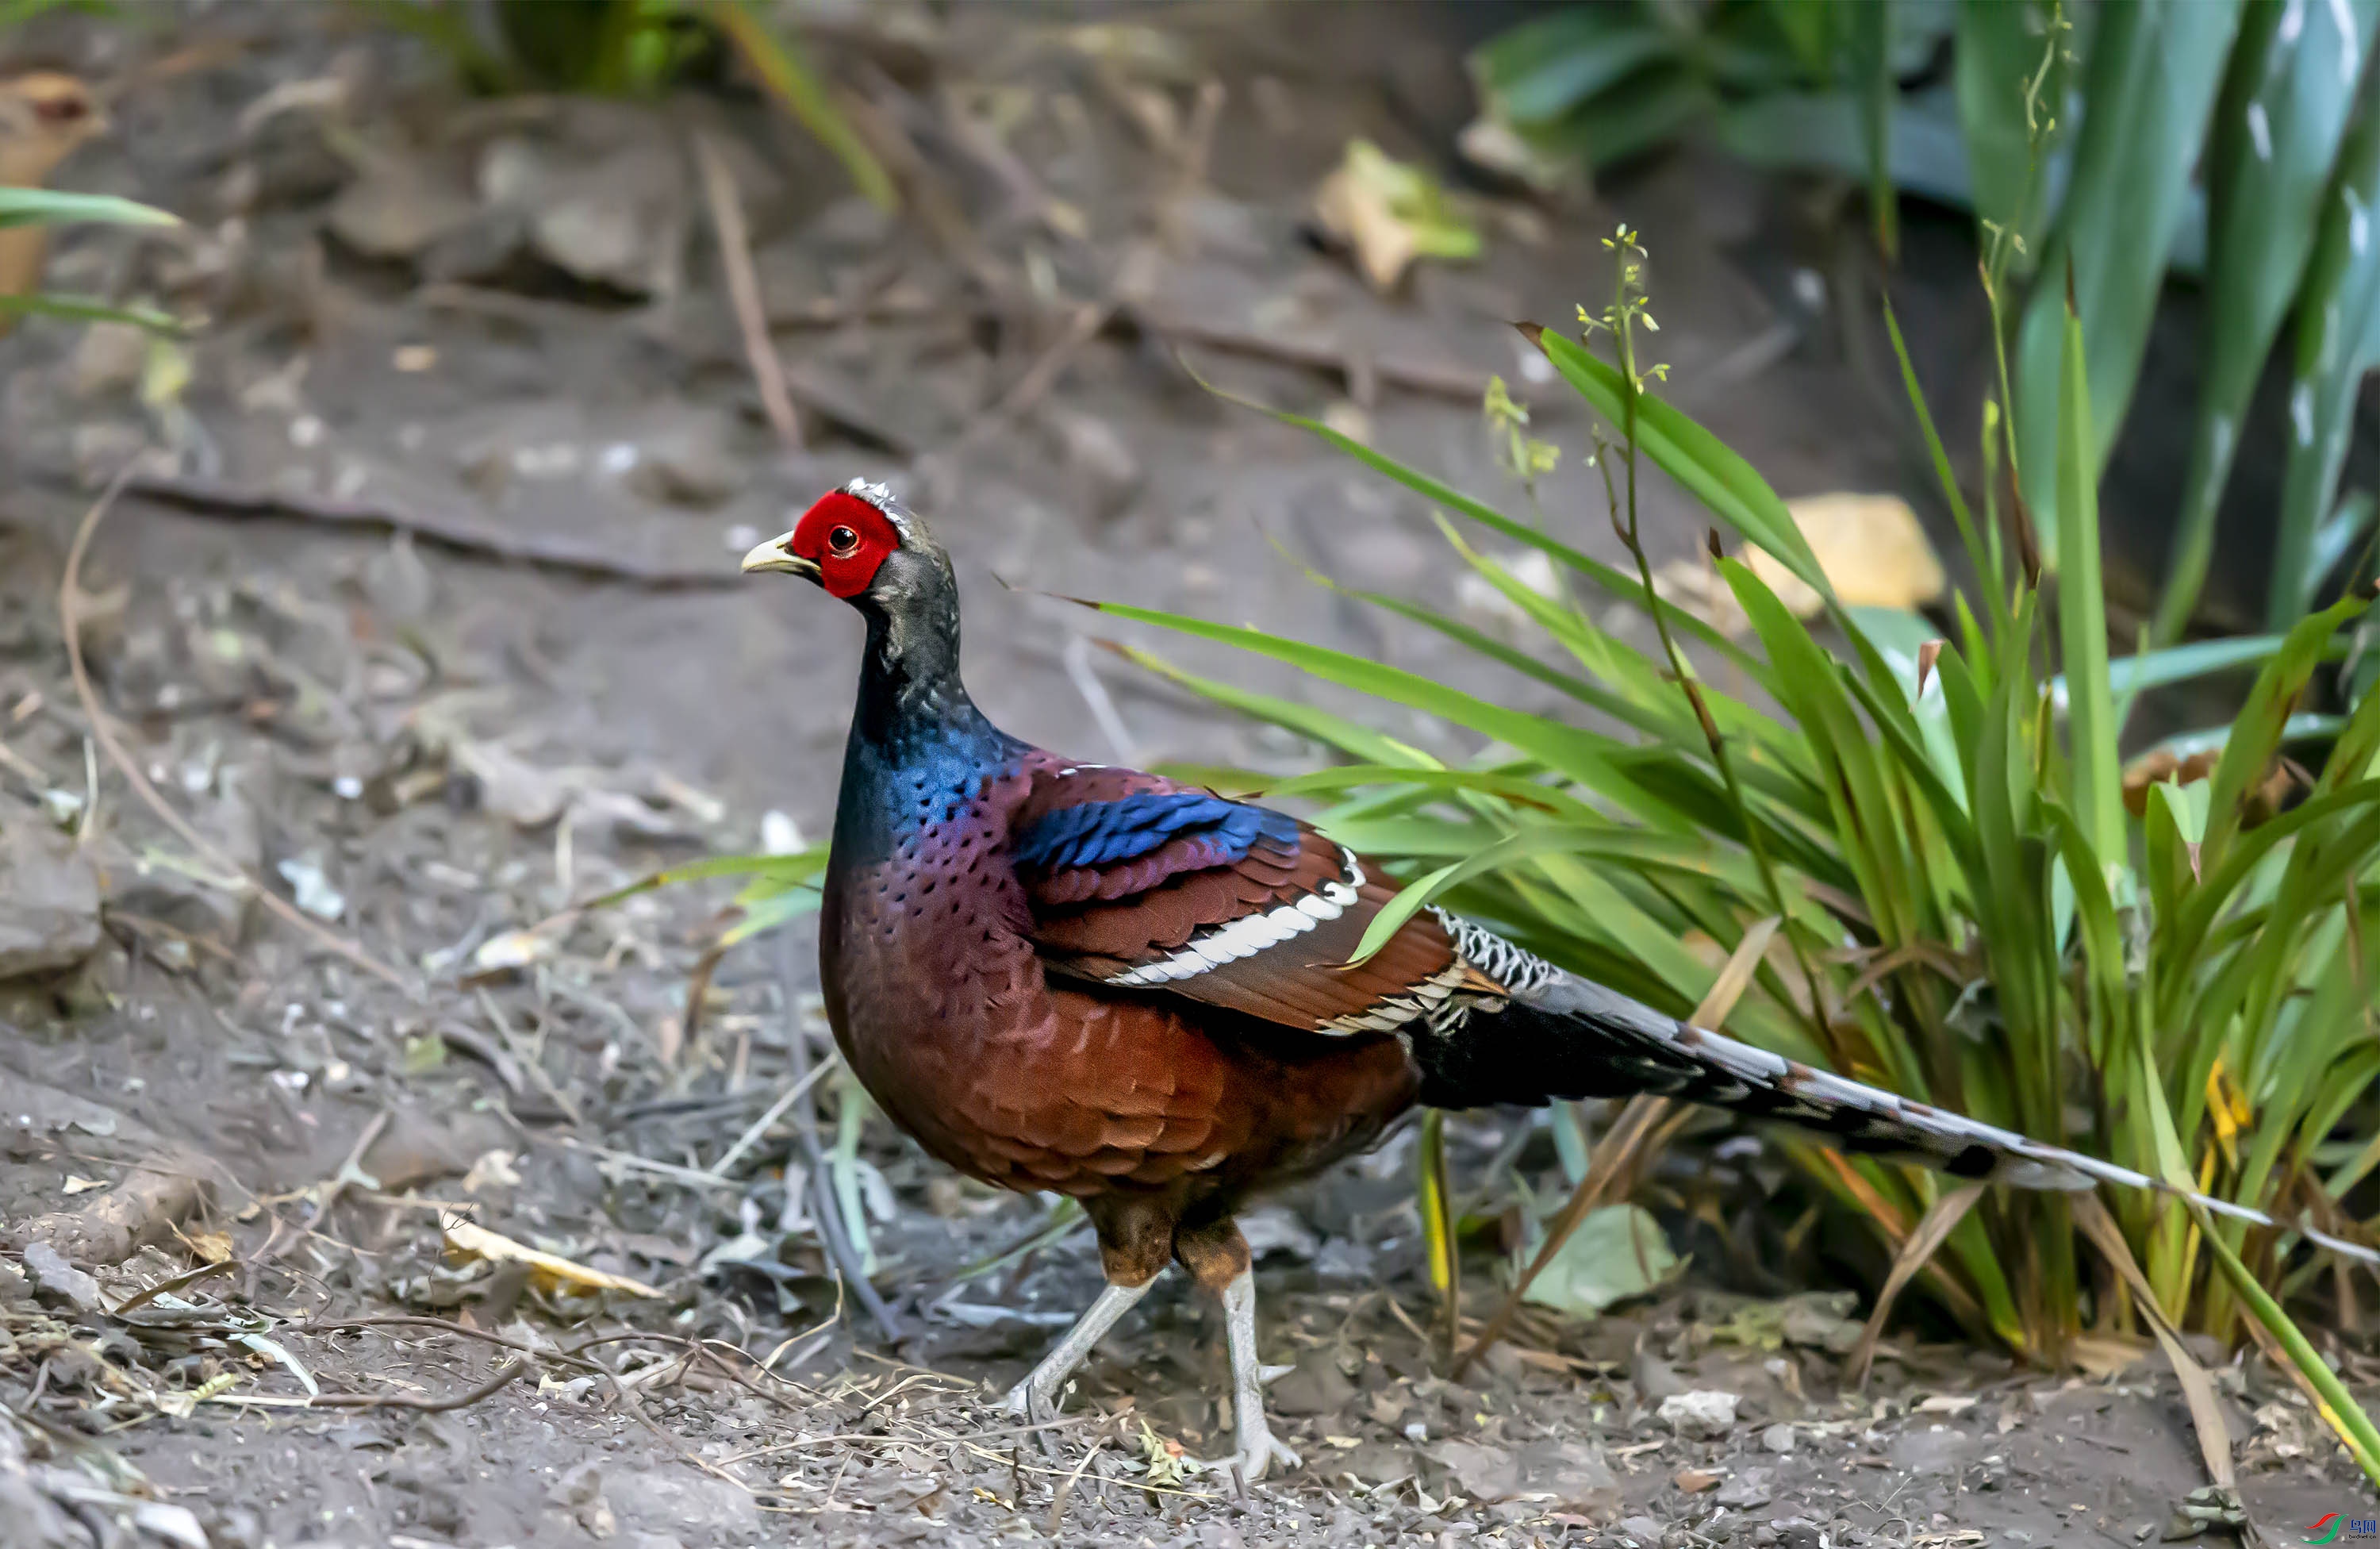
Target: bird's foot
pixel 1036 1408
pixel 1259 1450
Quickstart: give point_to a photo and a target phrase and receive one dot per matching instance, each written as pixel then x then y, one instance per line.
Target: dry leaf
pixel 1871 548
pixel 2259 805
pixel 78 1185
pixel 547 1270
pixel 1390 213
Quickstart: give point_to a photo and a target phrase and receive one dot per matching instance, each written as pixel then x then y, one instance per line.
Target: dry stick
pixel 440 1325
pixel 503 1378
pixel 745 1141
pixel 222 497
pixel 1060 1496
pixel 103 730
pixel 744 287
pixel 1916 1251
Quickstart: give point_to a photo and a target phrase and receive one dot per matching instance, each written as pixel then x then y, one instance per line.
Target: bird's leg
pixel 1259 1449
pixel 1036 1398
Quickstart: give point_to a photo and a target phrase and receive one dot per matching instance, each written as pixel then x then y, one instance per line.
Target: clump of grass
pixel 2187 990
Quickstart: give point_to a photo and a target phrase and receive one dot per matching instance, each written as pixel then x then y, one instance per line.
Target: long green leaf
pixel 49 207
pixel 776 57
pixel 2150 81
pixel 2292 85
pixel 2083 616
pixel 2337 344
pixel 1708 469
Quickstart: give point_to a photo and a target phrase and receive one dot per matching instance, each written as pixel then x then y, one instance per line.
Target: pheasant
pixel 1063 976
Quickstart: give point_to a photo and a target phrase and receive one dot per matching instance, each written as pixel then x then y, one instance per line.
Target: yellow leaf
pixel 474 1241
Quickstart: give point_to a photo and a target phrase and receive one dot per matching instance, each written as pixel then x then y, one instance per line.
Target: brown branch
pixel 103 731
pixel 503 1379
pixel 744 287
pixel 221 497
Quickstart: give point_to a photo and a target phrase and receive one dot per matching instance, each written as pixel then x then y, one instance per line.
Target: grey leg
pixel 1259 1449
pixel 1035 1397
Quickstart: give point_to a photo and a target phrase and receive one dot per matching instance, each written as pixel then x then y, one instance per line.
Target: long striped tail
pixel 1560 1036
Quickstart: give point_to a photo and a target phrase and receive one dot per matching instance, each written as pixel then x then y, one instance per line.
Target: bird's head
pixel 43 115
pixel 862 545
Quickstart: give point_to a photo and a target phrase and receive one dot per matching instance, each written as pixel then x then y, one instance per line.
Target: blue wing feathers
pixel 1101 832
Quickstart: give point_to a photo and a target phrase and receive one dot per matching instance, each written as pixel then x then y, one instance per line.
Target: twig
pixel 103 730
pixel 1427 377
pixel 1065 1490
pixel 744 287
pixel 222 497
pixel 440 1325
pixel 751 1136
pixel 503 1378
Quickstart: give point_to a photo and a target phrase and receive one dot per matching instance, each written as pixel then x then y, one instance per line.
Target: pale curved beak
pixel 777 554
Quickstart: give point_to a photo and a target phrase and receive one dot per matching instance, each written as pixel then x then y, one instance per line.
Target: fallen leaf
pixel 1390 213
pixel 76 1184
pixel 472 1240
pixel 1617 1253
pixel 1695 1482
pixel 1947 1404
pixel 1871 548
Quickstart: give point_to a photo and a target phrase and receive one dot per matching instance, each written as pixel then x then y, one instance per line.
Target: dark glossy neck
pixel 913 722
pixel 909 683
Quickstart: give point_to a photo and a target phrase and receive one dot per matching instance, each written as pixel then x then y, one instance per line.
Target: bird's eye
pixel 841 541
pixel 62 110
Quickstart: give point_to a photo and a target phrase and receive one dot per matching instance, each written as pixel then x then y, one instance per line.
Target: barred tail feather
pixel 1560 1036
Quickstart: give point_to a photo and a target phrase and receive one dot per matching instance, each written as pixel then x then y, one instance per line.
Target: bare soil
pixel 555 684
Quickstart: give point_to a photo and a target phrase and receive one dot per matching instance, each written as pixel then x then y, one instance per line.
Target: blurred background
pixel 451 352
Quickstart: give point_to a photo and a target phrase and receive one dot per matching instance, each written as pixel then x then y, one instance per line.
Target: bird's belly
pixel 1033 1084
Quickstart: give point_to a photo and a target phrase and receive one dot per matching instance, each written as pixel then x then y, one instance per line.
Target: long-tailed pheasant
pixel 1064 976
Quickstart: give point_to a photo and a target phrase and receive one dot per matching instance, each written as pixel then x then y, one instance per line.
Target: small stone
pixel 397 209
pixel 55 1277
pixel 1748 1489
pixel 1704 1414
pixel 49 896
pixel 1777 1439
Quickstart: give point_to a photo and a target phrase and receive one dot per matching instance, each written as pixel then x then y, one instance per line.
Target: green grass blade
pixel 2339 1409
pixel 2151 80
pixel 79 308
pixel 1583 755
pixel 2275 141
pixel 1708 469
pixel 50 207
pixel 790 870
pixel 2083 615
pixel 2337 344
pixel 2256 732
pixel 775 57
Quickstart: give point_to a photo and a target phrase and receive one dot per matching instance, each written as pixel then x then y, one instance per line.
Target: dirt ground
pixel 423 605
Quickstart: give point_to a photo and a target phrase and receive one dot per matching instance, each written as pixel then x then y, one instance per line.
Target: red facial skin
pixel 847 538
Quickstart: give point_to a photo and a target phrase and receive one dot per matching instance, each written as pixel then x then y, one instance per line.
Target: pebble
pixel 1778 1438
pixel 1703 1414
